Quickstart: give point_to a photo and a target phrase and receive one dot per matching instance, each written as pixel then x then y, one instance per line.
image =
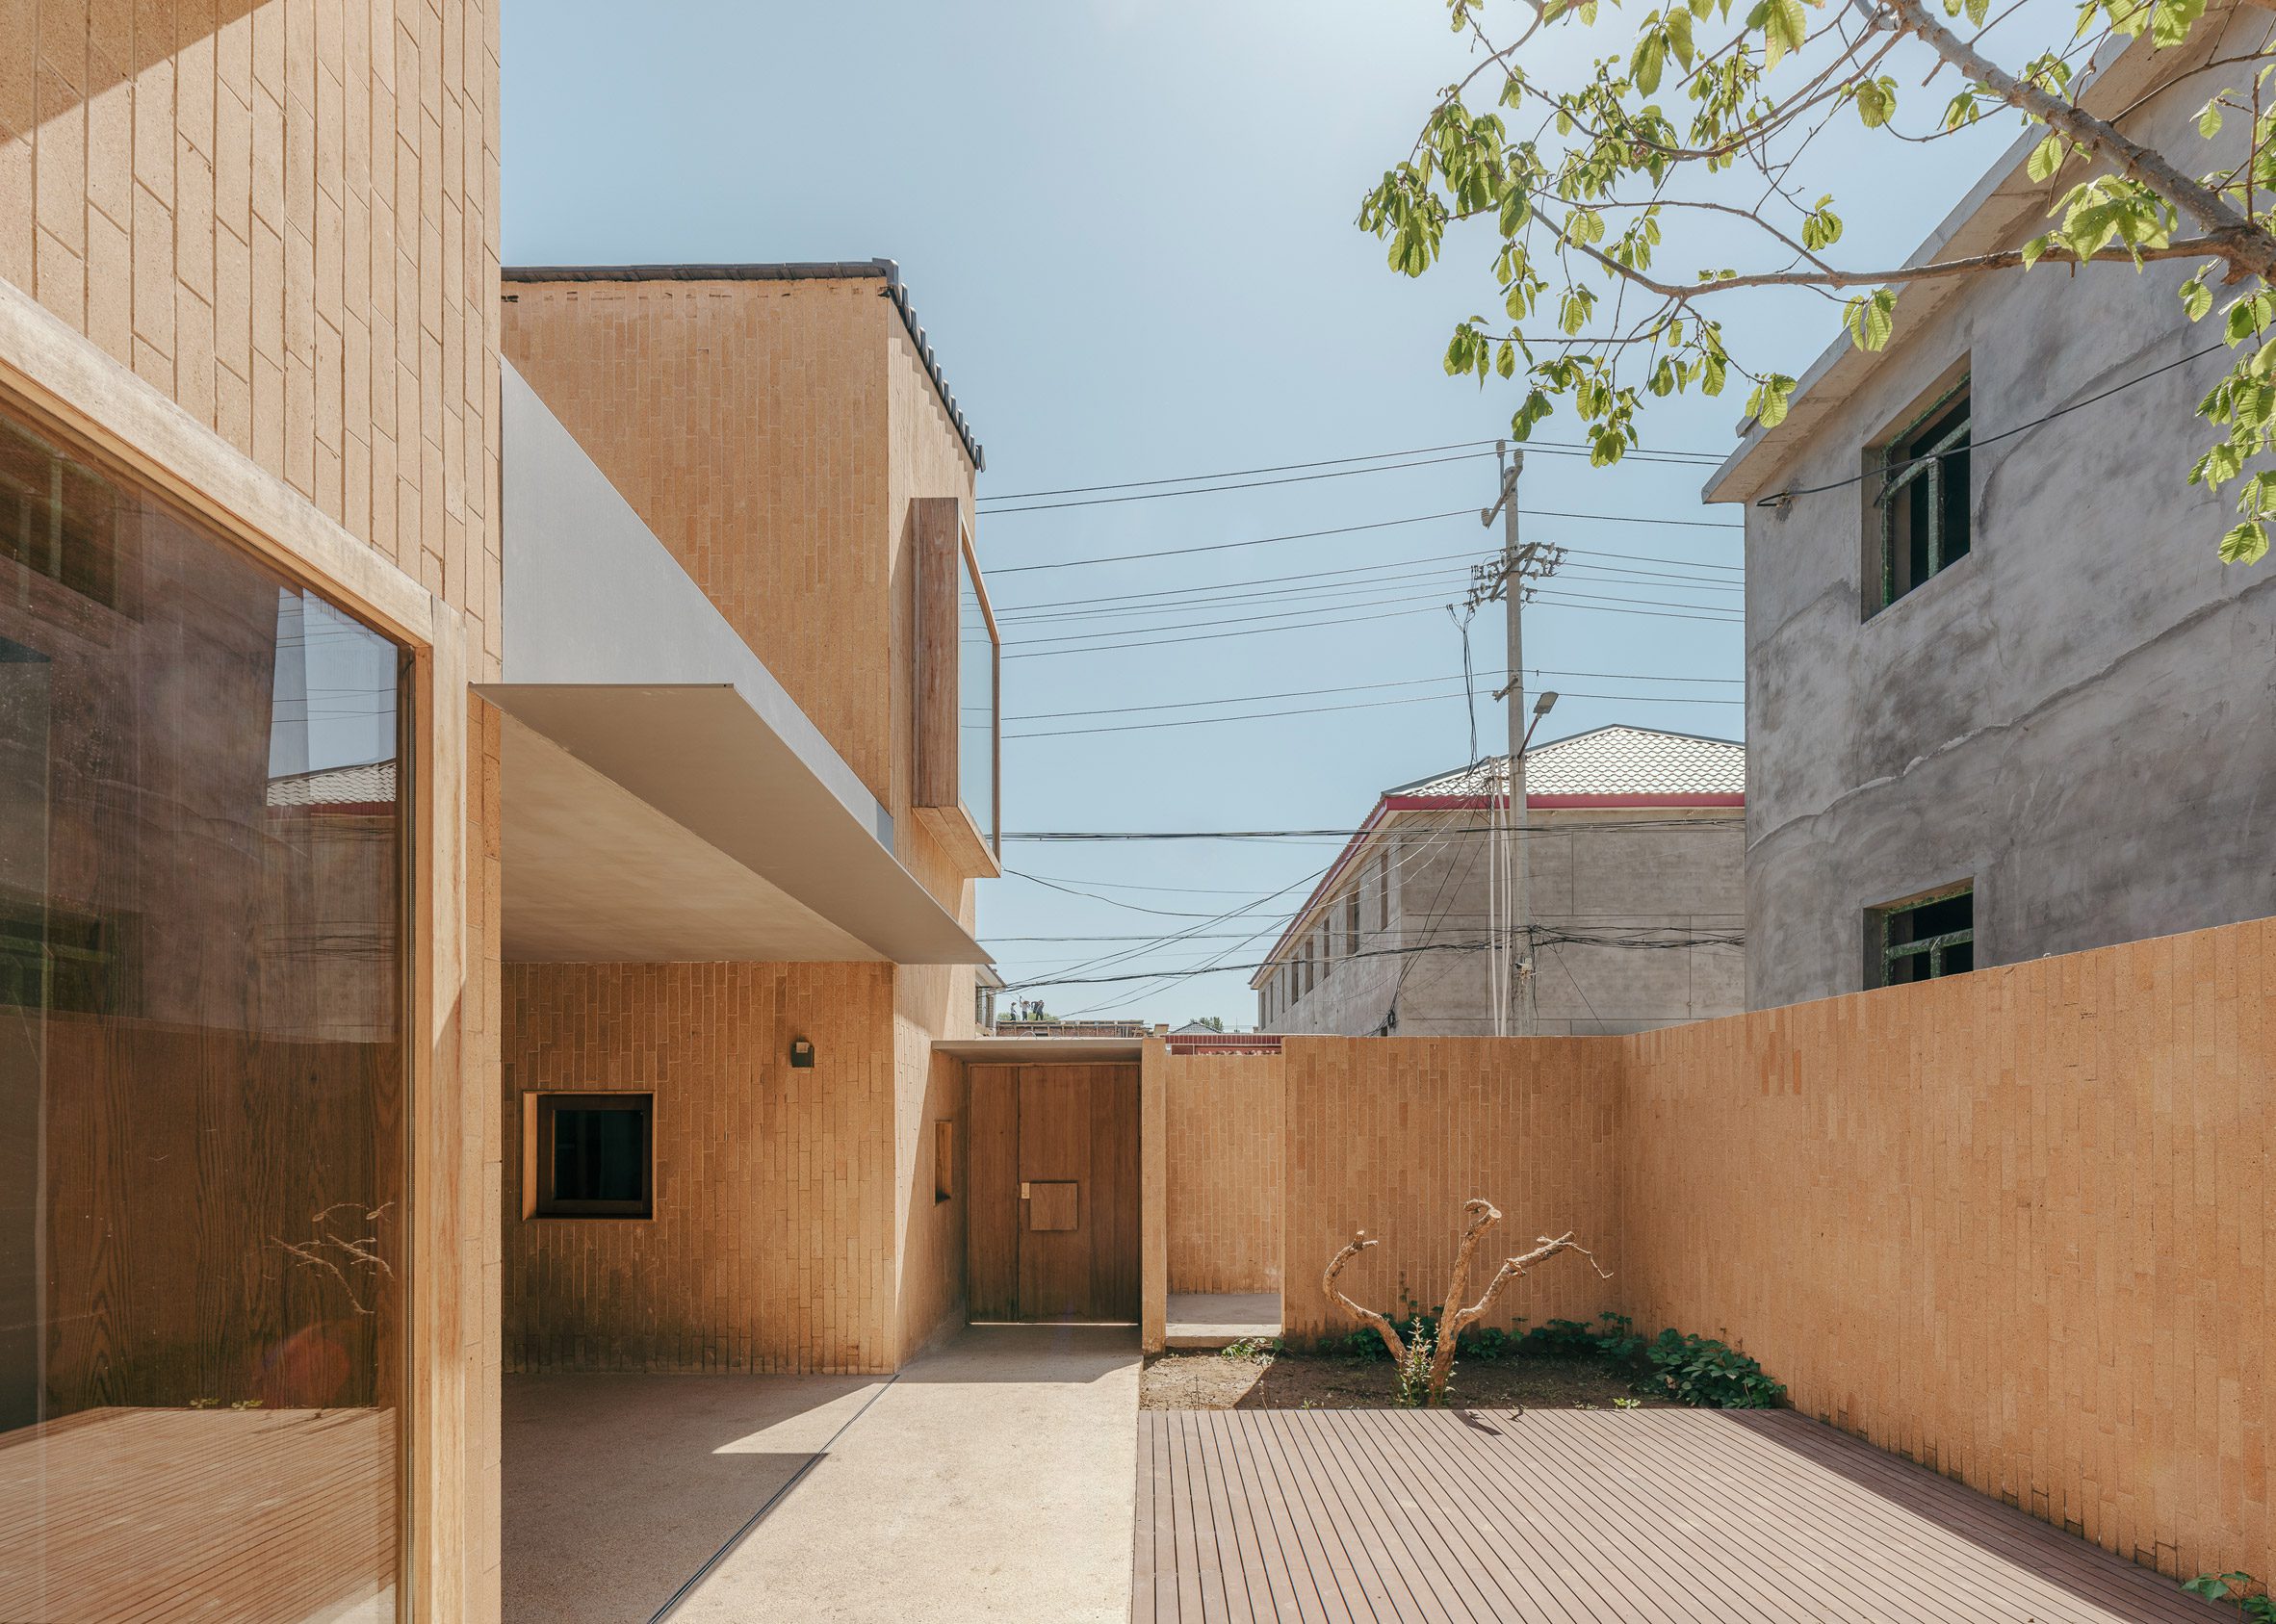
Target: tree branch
pixel 1352 1249
pixel 2236 240
pixel 2007 259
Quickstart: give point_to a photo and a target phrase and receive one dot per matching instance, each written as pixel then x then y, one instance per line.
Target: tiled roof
pixel 372 783
pixel 1609 761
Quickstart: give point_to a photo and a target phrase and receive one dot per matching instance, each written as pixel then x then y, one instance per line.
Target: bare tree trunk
pixel 1479 1217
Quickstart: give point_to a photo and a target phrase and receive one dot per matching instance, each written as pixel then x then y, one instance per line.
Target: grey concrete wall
pixel 1625 877
pixel 2078 715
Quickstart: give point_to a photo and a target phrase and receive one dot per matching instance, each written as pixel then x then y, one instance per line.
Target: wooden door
pixel 1054 1209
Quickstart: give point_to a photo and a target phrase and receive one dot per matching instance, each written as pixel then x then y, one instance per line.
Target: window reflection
pixel 201 1071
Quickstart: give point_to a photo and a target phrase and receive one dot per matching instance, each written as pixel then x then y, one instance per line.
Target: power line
pixel 1358 687
pixel 1361 705
pixel 1623 823
pixel 1471 513
pixel 1567 602
pixel 1331 462
pixel 1273 589
pixel 1780 498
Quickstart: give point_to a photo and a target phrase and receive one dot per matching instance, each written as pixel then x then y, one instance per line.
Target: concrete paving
pixel 993 1479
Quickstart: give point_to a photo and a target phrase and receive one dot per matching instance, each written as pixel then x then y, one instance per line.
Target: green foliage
pixel 1255 1349
pixel 2240 1590
pixel 1413 1388
pixel 1574 184
pixel 1611 1338
pixel 1699 1371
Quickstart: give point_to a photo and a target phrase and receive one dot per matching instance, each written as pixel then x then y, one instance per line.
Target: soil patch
pixel 1210 1381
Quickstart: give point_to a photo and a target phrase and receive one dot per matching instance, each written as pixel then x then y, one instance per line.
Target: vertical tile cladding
pixel 2014 1225
pixel 1392 1135
pixel 284 217
pixel 745 421
pixel 773 1246
pixel 1222 1170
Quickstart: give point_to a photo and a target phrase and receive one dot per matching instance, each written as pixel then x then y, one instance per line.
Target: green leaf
pixel 2196 299
pixel 2246 544
pixel 2032 249
pixel 2209 121
pixel 1643 68
pixel 1876 101
pixel 1679 35
pixel 1871 320
pixel 2046 158
pixel 1770 399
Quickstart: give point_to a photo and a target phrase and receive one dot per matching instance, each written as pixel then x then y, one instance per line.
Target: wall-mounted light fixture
pixel 801 1054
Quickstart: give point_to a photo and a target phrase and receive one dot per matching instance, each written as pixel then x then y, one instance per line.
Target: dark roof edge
pixel 812 271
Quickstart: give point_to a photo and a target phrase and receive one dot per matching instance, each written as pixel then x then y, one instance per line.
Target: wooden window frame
pixel 60 381
pixel 541 1107
pixel 945 552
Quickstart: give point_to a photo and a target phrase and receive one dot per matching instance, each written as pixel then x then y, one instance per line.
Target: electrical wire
pixel 1333 462
pixel 1361 705
pixel 1361 687
pixel 1780 499
pixel 996 571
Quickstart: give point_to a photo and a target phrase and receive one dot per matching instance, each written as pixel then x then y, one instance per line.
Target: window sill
pixel 968 850
pixel 1957 567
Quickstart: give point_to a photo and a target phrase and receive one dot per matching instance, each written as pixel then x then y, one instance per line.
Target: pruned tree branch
pixel 1352 1249
pixel 2009 259
pixel 1480 1216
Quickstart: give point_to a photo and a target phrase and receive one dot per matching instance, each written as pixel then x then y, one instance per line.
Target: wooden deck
pixel 1611 1516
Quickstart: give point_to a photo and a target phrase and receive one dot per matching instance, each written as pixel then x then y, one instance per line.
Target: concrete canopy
pixel 665 799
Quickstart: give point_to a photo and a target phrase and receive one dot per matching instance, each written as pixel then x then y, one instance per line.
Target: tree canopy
pixel 1705 109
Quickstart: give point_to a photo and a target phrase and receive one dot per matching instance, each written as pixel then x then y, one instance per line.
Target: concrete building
pixel 1637 912
pixel 2003 700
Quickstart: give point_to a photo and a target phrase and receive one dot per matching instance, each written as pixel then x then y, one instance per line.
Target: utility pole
pixel 1507 578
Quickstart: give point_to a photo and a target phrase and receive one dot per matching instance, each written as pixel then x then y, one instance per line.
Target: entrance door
pixel 1054 1192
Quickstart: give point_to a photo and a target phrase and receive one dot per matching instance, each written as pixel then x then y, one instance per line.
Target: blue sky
pixel 1126 225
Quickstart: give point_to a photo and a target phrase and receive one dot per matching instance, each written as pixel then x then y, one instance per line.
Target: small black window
pixel 1351 924
pixel 1923 939
pixel 596 1155
pixel 1921 495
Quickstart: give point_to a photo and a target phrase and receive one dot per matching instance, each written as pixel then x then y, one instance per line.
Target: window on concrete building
pixel 1383 892
pixel 595 1156
pixel 1921 939
pixel 1350 924
pixel 1919 488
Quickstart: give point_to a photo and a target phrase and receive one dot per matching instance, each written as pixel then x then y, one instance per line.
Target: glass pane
pixel 975 704
pixel 201 1071
pixel 600 1155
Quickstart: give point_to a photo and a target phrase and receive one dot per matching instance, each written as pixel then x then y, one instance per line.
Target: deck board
pixel 1596 1517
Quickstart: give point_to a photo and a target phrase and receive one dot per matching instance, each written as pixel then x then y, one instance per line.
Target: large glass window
pixel 201 1069
pixel 1922 498
pixel 975 701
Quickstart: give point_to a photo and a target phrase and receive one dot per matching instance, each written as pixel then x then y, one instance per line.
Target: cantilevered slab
pixel 665 799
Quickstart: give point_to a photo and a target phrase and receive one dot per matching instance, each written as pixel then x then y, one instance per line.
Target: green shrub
pixel 1699 1371
pixel 1611 1338
pixel 2240 1590
pixel 1364 1342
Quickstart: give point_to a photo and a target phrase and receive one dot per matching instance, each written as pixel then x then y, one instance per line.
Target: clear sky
pixel 1126 225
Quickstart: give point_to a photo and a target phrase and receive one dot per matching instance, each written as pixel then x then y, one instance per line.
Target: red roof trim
pixel 1554 803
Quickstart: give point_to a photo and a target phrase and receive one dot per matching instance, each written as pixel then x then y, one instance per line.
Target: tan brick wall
pixel 1393 1134
pixel 2015 1225
pixel 284 217
pixel 773 1244
pixel 1223 1172
pixel 746 422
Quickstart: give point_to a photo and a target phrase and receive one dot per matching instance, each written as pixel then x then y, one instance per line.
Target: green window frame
pixel 1925 937
pixel 1922 498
